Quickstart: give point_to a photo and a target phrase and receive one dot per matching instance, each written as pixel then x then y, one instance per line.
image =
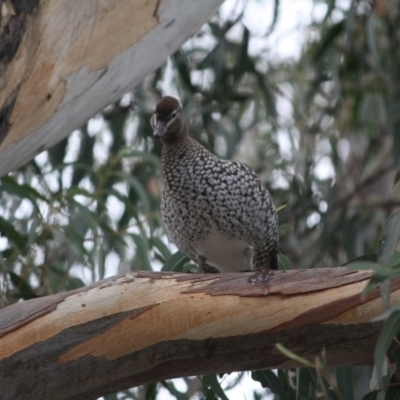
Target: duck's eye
pixel 173 115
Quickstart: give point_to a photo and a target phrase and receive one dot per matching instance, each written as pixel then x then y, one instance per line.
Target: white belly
pixel 227 255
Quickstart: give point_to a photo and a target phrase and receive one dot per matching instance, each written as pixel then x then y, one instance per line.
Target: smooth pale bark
pixel 63 61
pixel 146 326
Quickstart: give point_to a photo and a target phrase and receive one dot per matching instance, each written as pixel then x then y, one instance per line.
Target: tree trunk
pixel 63 61
pixel 146 326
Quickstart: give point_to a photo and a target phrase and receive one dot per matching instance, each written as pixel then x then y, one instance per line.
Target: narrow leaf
pixel 396 178
pixel 136 185
pixel 74 283
pixel 389 239
pixel 371 395
pixel 364 265
pixel 293 356
pixel 284 262
pixel 161 247
pixel 345 382
pixel 212 382
pixel 151 391
pixel 8 231
pixel 76 240
pixel 390 330
pixel 280 208
pixel 23 287
pixel 174 391
pixel 175 262
pixel 370 257
pixel 284 229
pixel 393 391
pixel 142 252
pixel 279 385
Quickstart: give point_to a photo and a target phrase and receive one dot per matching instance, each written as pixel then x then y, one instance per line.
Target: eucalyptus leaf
pixel 175 262
pixel 284 229
pixel 22 286
pixel 151 391
pixel 161 247
pixel 142 252
pixel 8 231
pixel 374 395
pixel 76 240
pixel 289 354
pixel 277 385
pixel 390 330
pixel 174 391
pixel 371 257
pixel 345 382
pixel 211 381
pixel 284 262
pixel 389 238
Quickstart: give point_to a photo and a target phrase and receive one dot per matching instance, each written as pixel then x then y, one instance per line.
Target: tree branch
pixel 62 62
pixel 146 326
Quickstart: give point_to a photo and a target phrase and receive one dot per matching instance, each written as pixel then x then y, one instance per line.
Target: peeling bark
pixel 70 59
pixel 141 327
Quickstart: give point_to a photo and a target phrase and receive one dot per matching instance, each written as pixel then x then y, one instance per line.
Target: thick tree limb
pixel 141 327
pixel 63 61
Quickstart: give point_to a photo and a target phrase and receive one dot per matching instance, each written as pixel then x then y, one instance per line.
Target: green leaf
pixel 106 228
pixel 77 191
pixel 211 382
pixel 174 391
pixel 142 252
pixel 58 271
pixel 74 283
pixel 85 157
pixel 209 394
pixel 371 257
pixel 390 330
pixel 136 185
pixel 161 247
pixel 385 315
pixel 284 229
pixel 24 289
pixel 364 265
pixel 326 41
pixel 127 152
pixel 394 262
pixel 389 238
pixel 289 354
pixel 10 185
pixel 396 178
pixel 307 382
pixel 57 153
pixel 393 391
pixel 175 262
pixel 92 219
pixel 372 395
pixel 130 207
pixel 345 382
pixel 112 396
pixel 76 240
pixel 8 231
pixel 280 208
pixel 274 18
pixel 279 385
pixel 284 262
pixel 101 261
pixel 151 391
pixel 385 293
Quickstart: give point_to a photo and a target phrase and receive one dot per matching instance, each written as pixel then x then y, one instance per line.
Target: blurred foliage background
pixel 321 128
